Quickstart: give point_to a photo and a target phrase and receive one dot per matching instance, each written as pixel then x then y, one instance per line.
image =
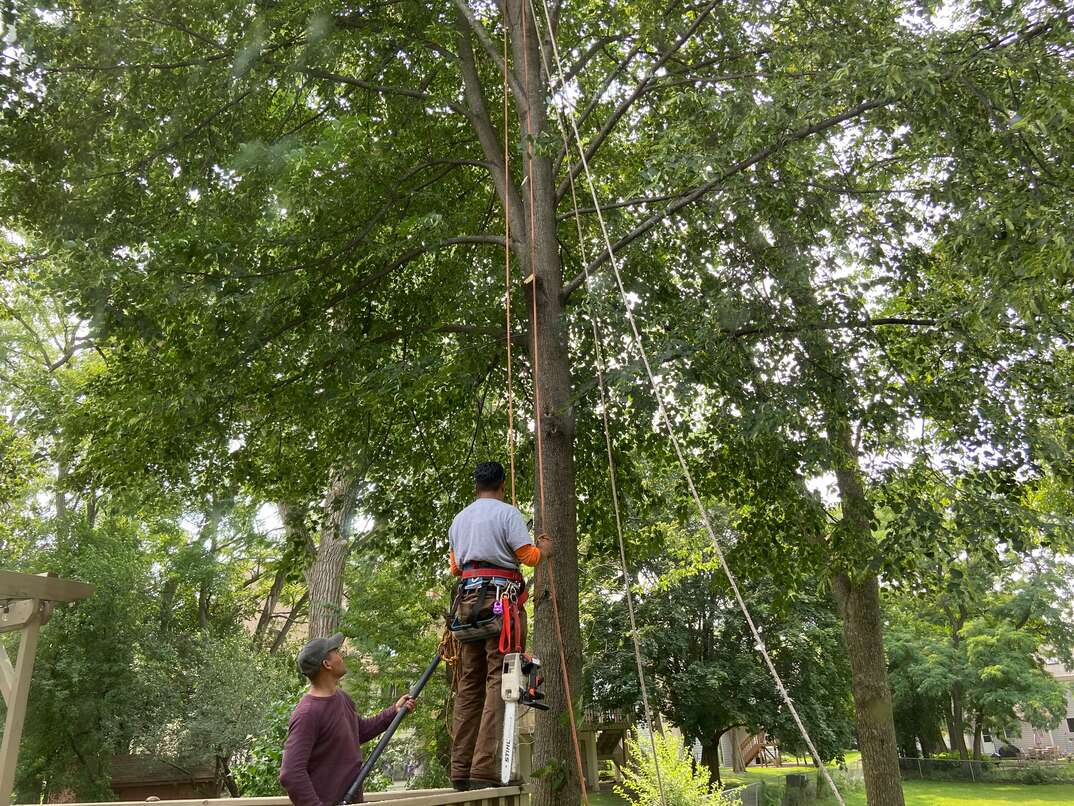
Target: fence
pixel 991 770
pixel 747 795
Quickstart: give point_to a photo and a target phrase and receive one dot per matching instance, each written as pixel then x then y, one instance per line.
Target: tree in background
pixel 703 672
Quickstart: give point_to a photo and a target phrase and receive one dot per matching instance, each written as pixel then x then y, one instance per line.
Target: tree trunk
pixel 60 497
pixel 324 577
pixel 932 741
pixel 271 600
pixel 92 499
pixel 858 598
pixel 738 763
pixel 859 604
pixel 958 723
pixel 978 738
pixel 535 245
pixel 710 757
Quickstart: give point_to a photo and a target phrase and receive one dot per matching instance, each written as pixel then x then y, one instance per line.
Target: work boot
pixel 483 783
pixel 460 784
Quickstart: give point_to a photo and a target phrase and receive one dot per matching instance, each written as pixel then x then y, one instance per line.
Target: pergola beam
pixel 45 588
pixel 26 602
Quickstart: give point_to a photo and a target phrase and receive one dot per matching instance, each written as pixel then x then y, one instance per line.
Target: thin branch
pixel 759 156
pixel 585 58
pixel 365 85
pixel 626 103
pixel 597 97
pixel 368 280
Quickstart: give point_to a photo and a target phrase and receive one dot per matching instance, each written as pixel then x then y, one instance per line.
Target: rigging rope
pixel 666 420
pixel 532 281
pixel 507 278
pixel 601 371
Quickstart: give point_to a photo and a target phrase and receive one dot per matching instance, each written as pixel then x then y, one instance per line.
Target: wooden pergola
pixel 26 602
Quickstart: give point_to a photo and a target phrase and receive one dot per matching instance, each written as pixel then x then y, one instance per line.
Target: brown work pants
pixel 477 723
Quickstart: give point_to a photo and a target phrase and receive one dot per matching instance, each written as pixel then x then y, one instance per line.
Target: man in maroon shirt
pixel 323 751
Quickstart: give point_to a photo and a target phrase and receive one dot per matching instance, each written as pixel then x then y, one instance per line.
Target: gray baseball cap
pixel 315 651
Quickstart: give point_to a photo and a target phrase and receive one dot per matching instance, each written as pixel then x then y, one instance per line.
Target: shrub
pixel 684 784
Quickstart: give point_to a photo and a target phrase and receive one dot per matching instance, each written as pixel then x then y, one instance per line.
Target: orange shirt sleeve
pixel 454 565
pixel 528 555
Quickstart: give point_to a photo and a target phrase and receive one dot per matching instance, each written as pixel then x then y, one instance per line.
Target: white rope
pixel 666 419
pixel 597 342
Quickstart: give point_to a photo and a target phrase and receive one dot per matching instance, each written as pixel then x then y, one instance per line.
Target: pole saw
pixel 374 756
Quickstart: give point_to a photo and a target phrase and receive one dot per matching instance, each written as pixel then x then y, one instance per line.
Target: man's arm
pixel 372 727
pixel 294 769
pixel 455 570
pixel 531 555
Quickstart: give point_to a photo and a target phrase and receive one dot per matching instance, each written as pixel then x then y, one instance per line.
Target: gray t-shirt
pixel 488 531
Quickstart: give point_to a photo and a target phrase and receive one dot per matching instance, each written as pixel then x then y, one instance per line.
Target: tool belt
pixel 487 602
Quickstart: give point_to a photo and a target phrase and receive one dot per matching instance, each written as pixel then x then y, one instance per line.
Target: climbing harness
pixel 488 603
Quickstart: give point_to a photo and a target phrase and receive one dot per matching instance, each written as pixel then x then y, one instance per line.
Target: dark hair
pixel 489 476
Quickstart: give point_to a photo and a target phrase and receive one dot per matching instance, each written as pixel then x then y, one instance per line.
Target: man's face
pixel 335 664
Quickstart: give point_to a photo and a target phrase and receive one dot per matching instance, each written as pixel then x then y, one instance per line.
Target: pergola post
pixel 26 602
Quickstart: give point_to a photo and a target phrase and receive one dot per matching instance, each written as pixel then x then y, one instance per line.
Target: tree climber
pixel 322 754
pixel 488 541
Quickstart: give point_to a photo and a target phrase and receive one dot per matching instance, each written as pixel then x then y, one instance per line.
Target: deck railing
pixel 498 796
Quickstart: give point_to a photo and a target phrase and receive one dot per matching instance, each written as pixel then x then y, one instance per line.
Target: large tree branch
pixel 759 156
pixel 868 322
pixel 493 52
pixel 476 112
pixel 624 105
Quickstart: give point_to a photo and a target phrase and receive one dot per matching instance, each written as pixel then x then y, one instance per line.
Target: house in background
pixel 1032 741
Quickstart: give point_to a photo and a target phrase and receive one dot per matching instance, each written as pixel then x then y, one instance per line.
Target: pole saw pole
pixel 374 756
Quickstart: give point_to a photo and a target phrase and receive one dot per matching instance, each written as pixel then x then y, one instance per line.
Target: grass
pixel 942 793
pixel 939 793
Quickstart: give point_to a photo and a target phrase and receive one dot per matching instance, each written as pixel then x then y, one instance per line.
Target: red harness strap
pixel 511 631
pixel 492 571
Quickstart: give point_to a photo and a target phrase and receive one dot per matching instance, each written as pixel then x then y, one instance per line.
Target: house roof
pixel 128 770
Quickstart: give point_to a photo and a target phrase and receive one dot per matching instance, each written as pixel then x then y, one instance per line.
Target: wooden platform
pixel 499 796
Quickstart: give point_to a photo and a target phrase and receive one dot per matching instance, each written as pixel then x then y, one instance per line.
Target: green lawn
pixel 935 793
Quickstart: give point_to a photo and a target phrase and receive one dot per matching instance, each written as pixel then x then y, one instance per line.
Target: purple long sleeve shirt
pixel 323 751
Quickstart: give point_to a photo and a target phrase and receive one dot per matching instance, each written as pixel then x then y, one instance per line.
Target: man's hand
pixel 544 543
pixel 406 701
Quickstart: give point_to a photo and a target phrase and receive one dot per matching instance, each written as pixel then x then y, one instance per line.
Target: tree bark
pixel 738 763
pixel 978 738
pixel 324 578
pixel 958 723
pixel 710 757
pixel 269 607
pixel 535 246
pixel 859 604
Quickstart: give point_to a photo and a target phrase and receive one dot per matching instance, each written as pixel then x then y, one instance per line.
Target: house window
pixel 987 737
pixel 1070 724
